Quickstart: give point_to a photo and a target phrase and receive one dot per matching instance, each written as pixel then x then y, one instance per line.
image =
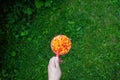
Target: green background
pixel 27 28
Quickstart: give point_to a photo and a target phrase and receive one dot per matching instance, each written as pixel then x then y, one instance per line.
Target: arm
pixel 54 71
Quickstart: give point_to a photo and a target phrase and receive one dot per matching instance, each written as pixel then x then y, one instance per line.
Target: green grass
pixel 94 29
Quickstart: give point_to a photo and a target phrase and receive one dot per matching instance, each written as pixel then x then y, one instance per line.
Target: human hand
pixel 54 71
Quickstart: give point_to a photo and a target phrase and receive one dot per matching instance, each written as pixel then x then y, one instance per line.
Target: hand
pixel 54 71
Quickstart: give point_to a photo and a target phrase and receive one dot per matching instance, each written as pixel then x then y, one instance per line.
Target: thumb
pixel 57 62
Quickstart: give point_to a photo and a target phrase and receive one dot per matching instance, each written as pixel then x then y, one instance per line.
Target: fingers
pixel 51 62
pixel 56 62
pixel 60 60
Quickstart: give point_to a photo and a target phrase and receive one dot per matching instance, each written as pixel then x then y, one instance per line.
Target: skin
pixel 54 71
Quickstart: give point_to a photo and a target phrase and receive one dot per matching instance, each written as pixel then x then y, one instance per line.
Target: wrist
pixel 54 79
